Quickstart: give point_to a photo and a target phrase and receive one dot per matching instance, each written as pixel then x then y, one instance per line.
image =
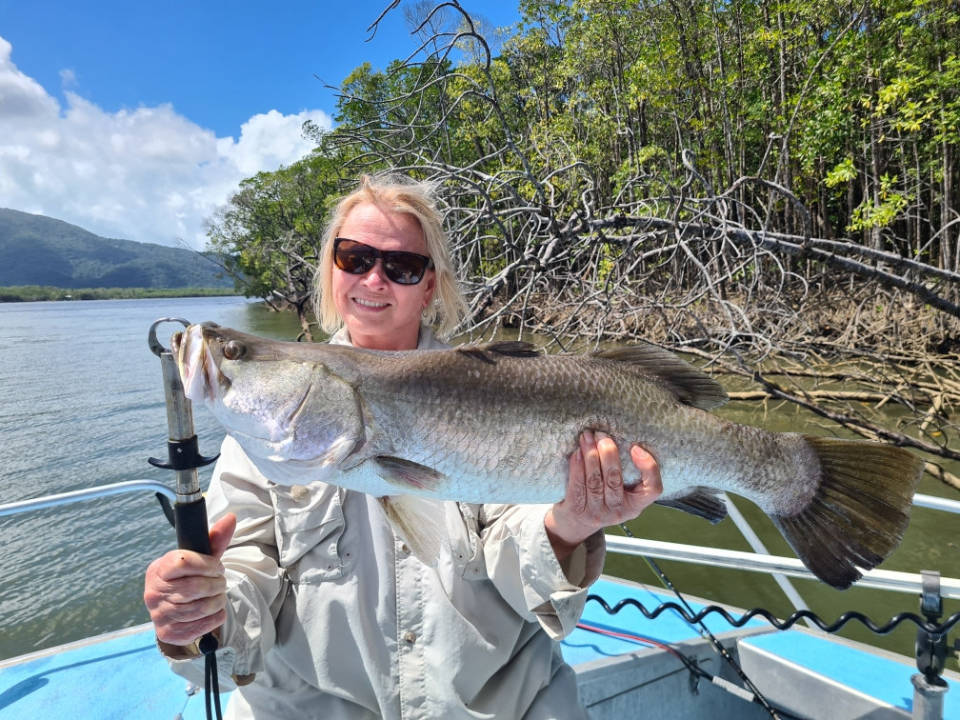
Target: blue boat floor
pixel 114 677
pixel 122 675
pixel 886 677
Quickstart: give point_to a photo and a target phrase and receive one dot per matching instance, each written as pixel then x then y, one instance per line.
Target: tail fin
pixel 860 511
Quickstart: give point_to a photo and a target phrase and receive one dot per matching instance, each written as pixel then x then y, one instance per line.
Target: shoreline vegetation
pixel 38 293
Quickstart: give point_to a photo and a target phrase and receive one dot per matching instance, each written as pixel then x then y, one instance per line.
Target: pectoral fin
pixel 416 521
pixel 702 503
pixel 408 475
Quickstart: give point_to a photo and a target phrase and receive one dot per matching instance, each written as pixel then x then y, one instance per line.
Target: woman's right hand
pixel 186 592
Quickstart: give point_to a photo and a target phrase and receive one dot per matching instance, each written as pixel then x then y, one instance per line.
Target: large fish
pixel 496 423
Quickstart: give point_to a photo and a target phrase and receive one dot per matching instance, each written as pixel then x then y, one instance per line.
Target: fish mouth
pixel 199 370
pixel 262 446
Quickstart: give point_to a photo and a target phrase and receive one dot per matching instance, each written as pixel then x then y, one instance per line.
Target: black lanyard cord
pixel 211 682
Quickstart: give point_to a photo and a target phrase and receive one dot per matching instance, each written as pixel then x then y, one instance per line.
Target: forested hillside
pixel 39 250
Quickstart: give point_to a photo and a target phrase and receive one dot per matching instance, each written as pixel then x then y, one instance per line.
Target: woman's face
pixel 379 313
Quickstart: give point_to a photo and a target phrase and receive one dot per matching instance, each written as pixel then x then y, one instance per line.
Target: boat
pixel 627 661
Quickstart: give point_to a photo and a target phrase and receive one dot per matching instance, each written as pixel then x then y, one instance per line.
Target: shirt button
pixel 405 549
pixel 409 637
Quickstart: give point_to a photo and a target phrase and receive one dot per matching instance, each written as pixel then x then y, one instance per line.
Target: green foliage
pixel 843 172
pixel 854 108
pixel 270 233
pixel 884 211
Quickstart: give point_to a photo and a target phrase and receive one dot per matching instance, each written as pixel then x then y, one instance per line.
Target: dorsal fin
pixel 510 348
pixel 689 384
pixel 475 352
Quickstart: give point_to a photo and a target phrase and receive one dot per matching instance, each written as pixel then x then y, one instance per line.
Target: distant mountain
pixel 39 250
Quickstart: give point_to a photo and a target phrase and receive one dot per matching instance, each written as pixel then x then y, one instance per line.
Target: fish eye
pixel 233 350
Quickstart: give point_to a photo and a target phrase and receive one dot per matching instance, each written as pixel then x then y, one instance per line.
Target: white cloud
pixel 147 174
pixel 68 77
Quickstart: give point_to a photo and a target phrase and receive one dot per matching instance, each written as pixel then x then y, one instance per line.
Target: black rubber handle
pixel 192 531
pixel 193 534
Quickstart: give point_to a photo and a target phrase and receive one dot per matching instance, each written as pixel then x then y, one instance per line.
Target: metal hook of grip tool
pixel 190 510
pixel 183 455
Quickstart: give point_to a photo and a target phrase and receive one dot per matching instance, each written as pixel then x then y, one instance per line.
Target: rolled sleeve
pixel 521 562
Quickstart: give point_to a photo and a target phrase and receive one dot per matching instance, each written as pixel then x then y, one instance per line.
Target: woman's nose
pixel 375 276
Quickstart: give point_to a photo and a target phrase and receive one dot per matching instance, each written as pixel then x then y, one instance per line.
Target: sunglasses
pixel 357 258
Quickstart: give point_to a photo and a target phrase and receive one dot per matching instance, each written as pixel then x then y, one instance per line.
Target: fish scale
pixel 531 467
pixel 497 423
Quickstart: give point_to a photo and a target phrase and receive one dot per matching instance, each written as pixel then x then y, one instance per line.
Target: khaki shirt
pixel 335 618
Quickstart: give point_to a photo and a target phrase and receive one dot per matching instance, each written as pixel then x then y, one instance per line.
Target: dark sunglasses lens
pixel 404 268
pixel 354 258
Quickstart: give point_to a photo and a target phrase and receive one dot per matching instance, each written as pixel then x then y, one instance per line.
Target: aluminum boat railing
pixel 715 557
pixel 776 565
pixel 736 560
pixel 937 503
pixel 100 491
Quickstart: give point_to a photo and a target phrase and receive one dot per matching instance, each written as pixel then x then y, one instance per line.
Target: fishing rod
pixel 756 696
pixel 188 514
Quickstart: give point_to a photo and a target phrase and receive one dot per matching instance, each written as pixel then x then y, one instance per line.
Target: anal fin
pixel 701 502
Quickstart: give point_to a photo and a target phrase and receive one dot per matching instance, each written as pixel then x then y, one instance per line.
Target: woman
pixel 320 609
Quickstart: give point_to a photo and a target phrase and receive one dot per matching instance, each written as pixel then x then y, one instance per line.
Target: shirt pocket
pixel 463 531
pixel 309 525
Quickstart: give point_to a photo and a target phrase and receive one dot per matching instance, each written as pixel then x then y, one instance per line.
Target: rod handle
pixel 192 531
pixel 193 534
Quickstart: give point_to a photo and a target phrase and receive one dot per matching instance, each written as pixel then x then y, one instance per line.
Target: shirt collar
pixel 426 341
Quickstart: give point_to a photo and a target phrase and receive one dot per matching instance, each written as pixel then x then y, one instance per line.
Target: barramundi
pixel 496 423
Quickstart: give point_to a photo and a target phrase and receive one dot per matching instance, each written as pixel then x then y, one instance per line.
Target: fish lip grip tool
pixel 189 513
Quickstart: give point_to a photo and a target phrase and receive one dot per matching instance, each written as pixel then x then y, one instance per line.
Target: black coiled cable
pixel 928 627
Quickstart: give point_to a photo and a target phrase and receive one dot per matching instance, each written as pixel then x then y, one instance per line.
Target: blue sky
pixel 137 119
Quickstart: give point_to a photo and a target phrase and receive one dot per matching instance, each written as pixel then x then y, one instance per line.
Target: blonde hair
pixel 399 194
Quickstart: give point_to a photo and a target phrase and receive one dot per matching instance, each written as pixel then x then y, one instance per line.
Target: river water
pixel 81 404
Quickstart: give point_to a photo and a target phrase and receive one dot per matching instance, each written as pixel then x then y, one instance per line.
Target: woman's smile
pixel 370 304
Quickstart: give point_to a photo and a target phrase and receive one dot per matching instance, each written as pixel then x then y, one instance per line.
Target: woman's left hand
pixel 596 496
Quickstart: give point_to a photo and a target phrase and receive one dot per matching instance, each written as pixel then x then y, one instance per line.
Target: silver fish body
pixel 497 423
